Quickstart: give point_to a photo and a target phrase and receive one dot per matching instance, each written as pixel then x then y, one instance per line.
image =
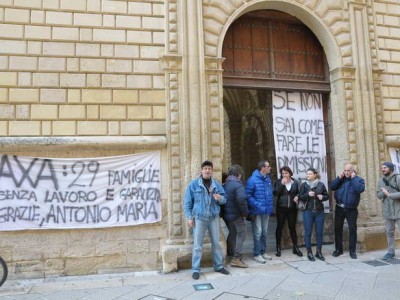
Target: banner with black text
pixel 299 133
pixel 60 193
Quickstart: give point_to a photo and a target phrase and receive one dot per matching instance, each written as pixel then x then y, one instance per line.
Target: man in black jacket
pixel 348 188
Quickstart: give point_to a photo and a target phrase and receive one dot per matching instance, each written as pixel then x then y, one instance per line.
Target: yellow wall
pixel 82 68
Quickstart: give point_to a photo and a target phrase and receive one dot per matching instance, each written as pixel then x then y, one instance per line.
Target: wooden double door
pixel 271 49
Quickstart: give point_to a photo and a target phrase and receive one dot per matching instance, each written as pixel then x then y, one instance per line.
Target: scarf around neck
pixel 312 184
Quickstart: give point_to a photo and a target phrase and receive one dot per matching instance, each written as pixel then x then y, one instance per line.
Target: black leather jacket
pixel 313 203
pixel 285 197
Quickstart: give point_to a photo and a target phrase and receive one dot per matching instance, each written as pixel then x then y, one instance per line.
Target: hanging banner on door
pixel 299 133
pixel 56 193
pixel 395 157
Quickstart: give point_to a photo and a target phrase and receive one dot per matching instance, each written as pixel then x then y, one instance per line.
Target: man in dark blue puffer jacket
pixel 235 213
pixel 348 188
pixel 259 190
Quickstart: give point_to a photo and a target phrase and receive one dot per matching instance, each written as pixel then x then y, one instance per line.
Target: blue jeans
pixel 310 218
pixel 199 232
pixel 260 228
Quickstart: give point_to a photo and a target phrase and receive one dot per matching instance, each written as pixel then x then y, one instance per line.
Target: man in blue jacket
pixel 203 198
pixel 259 190
pixel 348 188
pixel 235 213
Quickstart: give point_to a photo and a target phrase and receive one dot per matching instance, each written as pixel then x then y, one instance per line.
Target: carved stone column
pixel 357 89
pixel 214 112
pixel 176 123
pixel 175 231
pixel 368 118
pixel 194 121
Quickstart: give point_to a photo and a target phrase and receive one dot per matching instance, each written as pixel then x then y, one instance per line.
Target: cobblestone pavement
pixel 287 277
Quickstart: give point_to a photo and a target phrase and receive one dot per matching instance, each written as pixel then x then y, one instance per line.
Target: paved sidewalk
pixel 287 277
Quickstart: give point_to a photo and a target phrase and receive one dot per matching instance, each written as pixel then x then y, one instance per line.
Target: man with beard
pixel 389 193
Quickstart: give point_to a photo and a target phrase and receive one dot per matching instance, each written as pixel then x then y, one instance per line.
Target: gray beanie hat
pixel 389 165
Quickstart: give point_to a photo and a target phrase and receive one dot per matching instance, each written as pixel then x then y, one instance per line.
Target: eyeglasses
pixel 267 166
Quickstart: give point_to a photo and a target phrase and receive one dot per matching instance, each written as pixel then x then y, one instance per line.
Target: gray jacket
pixel 391 205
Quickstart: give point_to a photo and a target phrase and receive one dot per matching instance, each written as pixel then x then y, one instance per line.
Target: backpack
pixel 387 183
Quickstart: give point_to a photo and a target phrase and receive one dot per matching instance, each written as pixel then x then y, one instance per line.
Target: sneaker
pixel 196 275
pixel 388 256
pixel 237 262
pixel 259 259
pixel 266 257
pixel 223 271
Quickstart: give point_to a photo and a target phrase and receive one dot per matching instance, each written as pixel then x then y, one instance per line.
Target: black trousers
pixel 236 237
pixel 231 238
pixel 351 215
pixel 283 214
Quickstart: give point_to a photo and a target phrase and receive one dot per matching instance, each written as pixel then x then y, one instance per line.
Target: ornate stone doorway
pixel 267 50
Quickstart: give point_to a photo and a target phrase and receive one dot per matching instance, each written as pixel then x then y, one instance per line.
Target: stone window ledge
pixel 72 143
pixel 393 141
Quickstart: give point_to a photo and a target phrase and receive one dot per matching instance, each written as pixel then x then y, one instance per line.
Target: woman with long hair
pixel 286 190
pixel 313 192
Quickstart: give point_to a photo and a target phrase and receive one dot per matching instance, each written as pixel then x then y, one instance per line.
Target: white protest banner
pixel 395 157
pixel 299 133
pixel 58 193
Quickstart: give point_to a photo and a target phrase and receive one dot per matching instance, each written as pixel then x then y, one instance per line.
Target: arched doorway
pixel 266 51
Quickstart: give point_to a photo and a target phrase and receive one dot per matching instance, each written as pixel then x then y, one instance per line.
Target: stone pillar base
pixel 371 238
pixel 171 254
pixel 177 257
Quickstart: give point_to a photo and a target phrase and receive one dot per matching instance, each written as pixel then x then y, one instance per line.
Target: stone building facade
pixel 85 78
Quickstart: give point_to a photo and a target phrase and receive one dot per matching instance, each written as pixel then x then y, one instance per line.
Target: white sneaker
pixel 266 257
pixel 259 259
